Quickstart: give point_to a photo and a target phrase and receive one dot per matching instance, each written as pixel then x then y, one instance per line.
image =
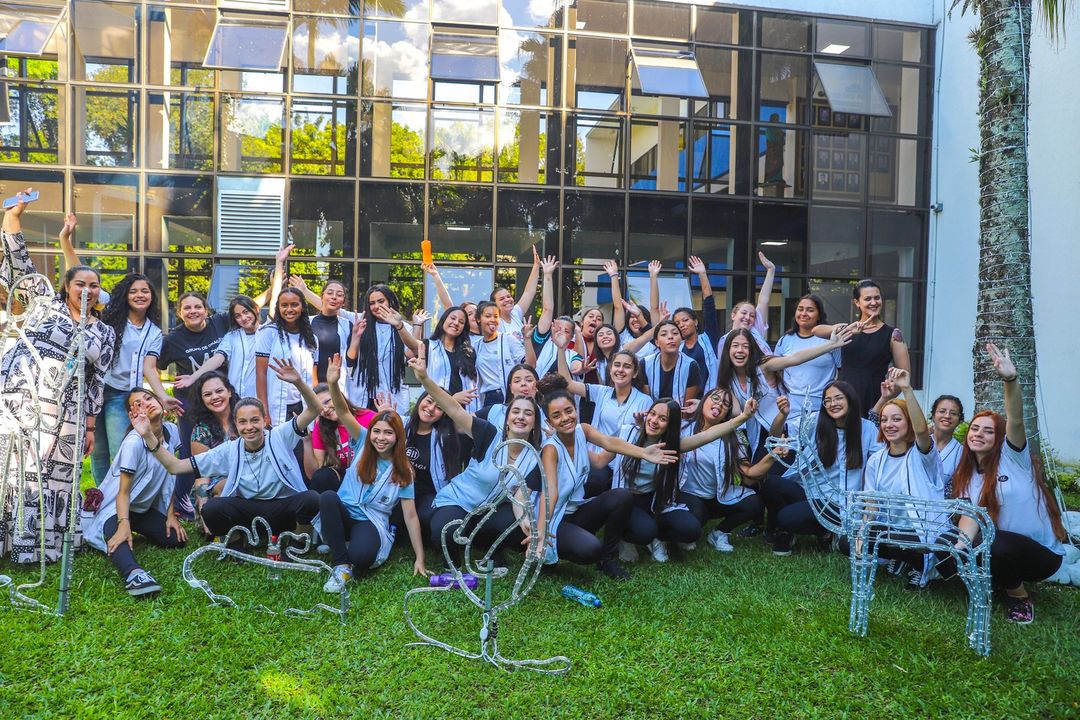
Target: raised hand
pixel 527 330
pixel 841 335
pixel 536 256
pixel 549 264
pixel 657 455
pixel 333 370
pixel 749 408
pixel 690 407
pixel 285 370
pixel 421 317
pixel 783 404
pixel 141 424
pixel 295 281
pixel 664 312
pixel 630 307
pixel 419 367
pixel 889 389
pixel 17 209
pixel 359 326
pixel 464 397
pixel 901 378
pixel 611 268
pixel 69 224
pixel 766 262
pixel 283 254
pixel 654 267
pixel 1003 364
pixel 694 265
pixel 384 402
pixel 389 315
pixel 430 268
pixel 561 338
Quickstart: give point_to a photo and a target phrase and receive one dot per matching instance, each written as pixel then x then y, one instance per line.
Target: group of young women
pixel 645 428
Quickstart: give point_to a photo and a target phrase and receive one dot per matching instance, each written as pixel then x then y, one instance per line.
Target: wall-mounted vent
pixel 250 216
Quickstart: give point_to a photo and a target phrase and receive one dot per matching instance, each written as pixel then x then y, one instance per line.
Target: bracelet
pixel 121 519
pixel 155 448
pixel 1012 379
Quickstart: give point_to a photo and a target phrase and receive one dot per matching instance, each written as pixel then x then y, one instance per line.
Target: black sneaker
pixel 769 536
pixel 751 530
pixel 1020 611
pixel 783 544
pixel 613 570
pixel 898 568
pixel 141 583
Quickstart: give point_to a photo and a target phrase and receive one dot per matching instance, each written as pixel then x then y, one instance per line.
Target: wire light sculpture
pixel 23 425
pixel 927 526
pixel 294 562
pixel 510 480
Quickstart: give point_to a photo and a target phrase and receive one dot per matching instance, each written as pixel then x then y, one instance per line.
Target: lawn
pixel 745 635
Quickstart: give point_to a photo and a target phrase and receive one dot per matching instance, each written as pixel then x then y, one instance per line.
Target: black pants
pixel 325 479
pixel 489 532
pixel 672 526
pixel 799 518
pixel 576 538
pixel 777 493
pixel 151 525
pixel 285 513
pixel 491 397
pixel 351 541
pixel 184 481
pixel 891 552
pixel 731 516
pixel 598 481
pixel 1014 560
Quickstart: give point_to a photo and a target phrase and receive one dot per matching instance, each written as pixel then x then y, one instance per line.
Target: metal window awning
pixel 852 89
pixel 465 57
pixel 668 72
pixel 246 42
pixel 27 29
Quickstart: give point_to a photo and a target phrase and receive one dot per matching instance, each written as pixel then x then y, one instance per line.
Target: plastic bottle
pixel 578 595
pixel 425 248
pixel 447 580
pixel 273 552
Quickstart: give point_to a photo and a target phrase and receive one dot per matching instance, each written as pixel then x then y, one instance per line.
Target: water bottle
pixel 578 595
pixel 447 580
pixel 273 552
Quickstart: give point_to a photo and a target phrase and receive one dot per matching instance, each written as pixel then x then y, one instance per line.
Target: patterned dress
pixel 38 413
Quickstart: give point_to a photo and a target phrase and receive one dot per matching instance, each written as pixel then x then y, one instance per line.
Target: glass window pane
pixel 27 29
pixel 179 214
pixel 657 229
pixel 108 210
pixel 526 218
pixel 716 25
pixel 239 44
pixel 106 37
pixel 46 67
pixel 719 232
pixel 668 73
pixel 176 276
pixel 782 86
pixel 392 221
pixel 779 231
pixel 416 10
pixel 533 13
pixel 720 160
pixel 105 137
pixel 462 144
pixel 34 132
pixel 837 37
pixel 321 216
pixel 395 60
pixel 328 7
pixel 897 171
pixel 465 56
pixel 784 32
pixel 317 273
pixel 406 280
pixel 459 221
pixel 483 12
pixel 599 15
pixel 661 19
pixel 658 155
pixel 780 163
pixel 851 89
pixel 531 68
pixel 593 227
pixel 598 69
pixel 907 92
pixel 727 79
pixel 836 242
pixel 325 55
pixel 839 166
pixel 43 219
pixel 596 157
pixel 525 148
pixel 182 134
pixel 252 139
pixel 897 240
pixel 900 44
pixel 392 140
pixel 177 43
pixel 323 137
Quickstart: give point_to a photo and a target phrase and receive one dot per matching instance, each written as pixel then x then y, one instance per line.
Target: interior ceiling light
pixel 835 49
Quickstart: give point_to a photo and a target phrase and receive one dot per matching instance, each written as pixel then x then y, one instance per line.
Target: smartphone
pixel 13 201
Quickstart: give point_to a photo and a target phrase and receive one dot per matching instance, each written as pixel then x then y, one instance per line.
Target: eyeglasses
pixel 829 402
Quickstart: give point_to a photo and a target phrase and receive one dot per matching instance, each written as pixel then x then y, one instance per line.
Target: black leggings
pixel 672 526
pixel 778 493
pixel 151 525
pixel 503 518
pixel 732 516
pixel 576 538
pixel 1014 560
pixel 891 552
pixel 598 481
pixel 351 541
pixel 222 513
pixel 799 518
pixel 325 479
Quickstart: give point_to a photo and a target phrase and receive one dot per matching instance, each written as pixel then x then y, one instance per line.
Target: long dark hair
pixel 367 361
pixel 446 435
pixel 818 303
pixel 732 443
pixel 328 430
pixel 598 354
pixel 463 348
pixel 513 371
pixel 726 376
pixel 248 304
pixel 666 476
pixel 536 435
pixel 69 275
pixel 303 324
pixel 202 414
pixel 826 431
pixel 115 314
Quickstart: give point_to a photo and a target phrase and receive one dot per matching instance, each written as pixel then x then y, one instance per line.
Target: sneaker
pixel 613 570
pixel 898 568
pixel 141 583
pixel 769 536
pixel 914 579
pixel 341 575
pixel 688 547
pixel 628 552
pixel 720 541
pixel 1020 611
pixel 783 544
pixel 323 549
pixel 658 550
pixel 751 530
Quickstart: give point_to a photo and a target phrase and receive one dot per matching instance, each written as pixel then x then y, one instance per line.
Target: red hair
pixel 369 456
pixel 909 437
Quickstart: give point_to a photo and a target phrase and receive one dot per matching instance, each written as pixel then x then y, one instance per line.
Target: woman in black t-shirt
pixel 435 451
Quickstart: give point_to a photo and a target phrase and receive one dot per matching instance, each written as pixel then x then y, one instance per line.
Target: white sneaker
pixel 658 550
pixel 628 552
pixel 341 575
pixel 720 542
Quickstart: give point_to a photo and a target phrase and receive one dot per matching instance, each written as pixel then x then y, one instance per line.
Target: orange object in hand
pixel 425 247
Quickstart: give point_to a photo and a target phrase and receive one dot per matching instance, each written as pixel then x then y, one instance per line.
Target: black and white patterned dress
pixel 28 385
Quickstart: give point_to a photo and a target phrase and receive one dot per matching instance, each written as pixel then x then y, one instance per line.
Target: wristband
pixel 1012 379
pixel 155 448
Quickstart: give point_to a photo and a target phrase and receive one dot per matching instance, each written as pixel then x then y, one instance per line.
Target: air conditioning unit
pixel 250 216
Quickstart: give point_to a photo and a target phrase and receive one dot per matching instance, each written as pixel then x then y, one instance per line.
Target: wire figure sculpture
pixel 23 425
pixel 929 526
pixel 510 481
pixel 294 562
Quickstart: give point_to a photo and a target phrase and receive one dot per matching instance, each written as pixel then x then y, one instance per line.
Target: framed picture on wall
pixel 821 180
pixel 852 160
pixel 853 184
pixel 823 140
pixel 839 119
pixel 854 141
pixel 838 183
pixel 839 158
pixel 824 115
pixel 822 158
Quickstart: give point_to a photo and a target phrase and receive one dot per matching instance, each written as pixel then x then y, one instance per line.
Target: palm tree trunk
pixel 1004 314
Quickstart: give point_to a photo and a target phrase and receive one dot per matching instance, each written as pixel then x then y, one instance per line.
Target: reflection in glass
pixel 177 42
pixel 780 163
pixel 719 161
pixel 851 89
pixel 415 10
pixel 526 218
pixel 108 210
pixel 530 68
pixel 719 233
pixel 727 78
pixel 459 222
pixel 524 148
pixel 662 19
pixel 392 220
pixel 836 242
pixel 907 93
pixel 481 12
pixel 179 211
pixel 779 230
pixel 838 37
pixel 106 37
pixel 896 243
pixel 782 88
pixel 325 55
pixel 784 32
pixel 321 216
pixel 658 155
pixel 247 43
pixel 462 144
pixel 392 140
pixel 598 15
pixel 717 25
pixel 593 227
pixel 323 137
pixel 657 229
pixel 33 133
pixel 395 60
pixel 533 13
pixel 598 69
pixel 27 29
pixel 839 166
pixel 900 44
pixel 596 160
pixel 36 68
pixel 43 219
pixel 181 135
pixel 664 72
pixel 897 169
pixel 465 55
pixel 252 138
pixel 106 135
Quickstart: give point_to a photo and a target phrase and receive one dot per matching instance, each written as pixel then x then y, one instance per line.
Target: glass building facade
pixel 192 137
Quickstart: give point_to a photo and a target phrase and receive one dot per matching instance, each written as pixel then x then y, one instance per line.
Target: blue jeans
pixel 112 425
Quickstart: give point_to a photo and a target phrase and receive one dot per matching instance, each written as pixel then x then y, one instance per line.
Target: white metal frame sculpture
pixel 815 479
pixel 484 569
pixel 22 427
pixel 295 562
